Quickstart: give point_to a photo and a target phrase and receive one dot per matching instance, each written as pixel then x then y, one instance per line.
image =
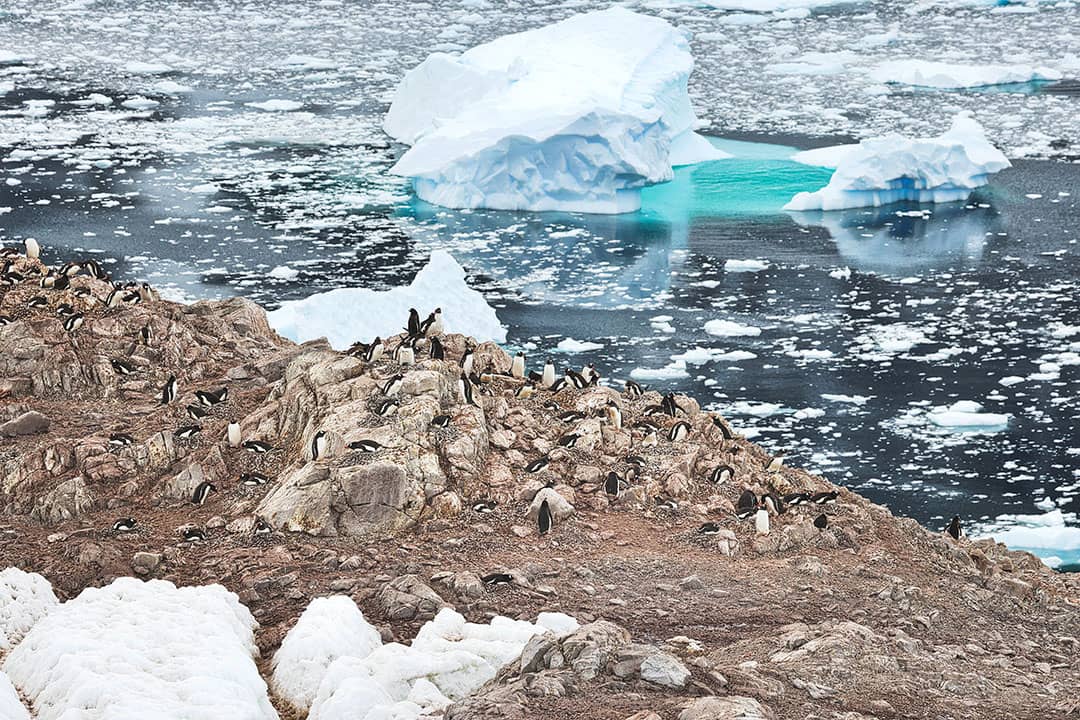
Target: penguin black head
pixel 124 525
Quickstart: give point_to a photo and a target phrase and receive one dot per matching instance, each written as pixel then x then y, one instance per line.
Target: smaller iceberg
pixel 577 116
pixel 346 315
pixel 890 169
pixel 949 76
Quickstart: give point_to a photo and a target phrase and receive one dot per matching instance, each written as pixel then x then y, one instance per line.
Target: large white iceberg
pixel 346 315
pixel 951 76
pixel 893 168
pixel 575 116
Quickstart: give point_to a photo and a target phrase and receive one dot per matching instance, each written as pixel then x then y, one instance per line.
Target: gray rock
pixel 732 707
pixel 144 563
pixel 665 669
pixel 29 423
pixel 69 499
pixel 408 598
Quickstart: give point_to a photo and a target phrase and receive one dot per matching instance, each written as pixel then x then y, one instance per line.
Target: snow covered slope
pixel 893 168
pixel 25 598
pixel 349 314
pixel 949 76
pixel 11 708
pixel 576 116
pixel 143 650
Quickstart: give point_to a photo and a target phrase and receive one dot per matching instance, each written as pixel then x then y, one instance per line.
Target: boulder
pixel 732 707
pixel 409 598
pixel 29 423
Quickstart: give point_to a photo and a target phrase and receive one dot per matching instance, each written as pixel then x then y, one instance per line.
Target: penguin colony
pixel 652 427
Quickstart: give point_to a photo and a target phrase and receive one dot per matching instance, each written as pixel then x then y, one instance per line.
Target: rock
pixel 644 715
pixel 732 707
pixel 144 563
pixel 69 499
pixel 408 598
pixel 560 507
pixel 692 582
pixel 664 669
pixel 29 423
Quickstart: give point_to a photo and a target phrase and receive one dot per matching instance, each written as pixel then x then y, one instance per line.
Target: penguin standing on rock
pixel 634 389
pixel 465 388
pixel 821 521
pixel 168 391
pixel 747 504
pixel 761 521
pixel 202 492
pixel 517 367
pixel 467 361
pixel 233 435
pixel 433 325
pixel 614 414
pixel 374 351
pixel 436 349
pixel 613 484
pixel 679 431
pixel 544 518
pixel 954 528
pixel 33 250
pixel 318 445
pixel 548 376
pixel 413 328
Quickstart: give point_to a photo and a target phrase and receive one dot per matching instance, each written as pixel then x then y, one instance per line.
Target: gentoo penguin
pixel 432 326
pixel 124 525
pixel 368 446
pixel 94 269
pixel 440 421
pixel 589 373
pixel 709 528
pixel 796 498
pixel 613 484
pixel 724 429
pixel 196 412
pixel 954 527
pixel 551 405
pixel 633 389
pixel 824 498
pixel 202 492
pixel 773 503
pixel 187 432
pixel 568 440
pixel 392 386
pixel 193 534
pixel 232 434
pixel 548 376
pixel 614 414
pixel 33 250
pixel 571 416
pixel 775 463
pixel 679 431
pixel 404 354
pixel 36 302
pixel 257 446
pixel 497 578
pixel 669 405
pixel 122 367
pixel 544 518
pixel 120 440
pixel 465 389
pixel 485 506
pixel 209 398
pixel 114 298
pixel 413 327
pixel 721 474
pixel 133 297
pixel 467 361
pixel 73 322
pixel 576 379
pixel 146 334
pixel 636 463
pixel 517 367
pixel 436 350
pixel 318 445
pixel 524 392
pixel 374 351
pixel 821 521
pixel 71 269
pixel 4 320
pixel 747 504
pixel 253 479
pixel 761 521
pixel 387 408
pixel 261 528
pixel 663 503
pixel 558 385
pixel 65 310
pixel 168 391
pixel 538 464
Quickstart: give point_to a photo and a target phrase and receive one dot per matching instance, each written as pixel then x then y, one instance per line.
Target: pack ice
pixel 575 116
pixel 889 169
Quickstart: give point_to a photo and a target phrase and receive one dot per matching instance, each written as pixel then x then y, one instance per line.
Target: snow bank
pixel 11 708
pixel 967 415
pixel 346 315
pixel 891 169
pixel 25 598
pixel 136 650
pixel 330 628
pixel 448 659
pixel 575 116
pixel 925 73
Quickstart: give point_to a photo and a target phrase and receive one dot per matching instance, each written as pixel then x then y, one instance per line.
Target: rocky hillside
pixel 419 500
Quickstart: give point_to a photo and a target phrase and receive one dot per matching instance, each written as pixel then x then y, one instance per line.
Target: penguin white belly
pixel 761 522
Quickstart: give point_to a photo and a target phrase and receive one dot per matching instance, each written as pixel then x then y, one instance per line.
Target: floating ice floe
pixel 950 76
pixel 25 598
pixel 276 105
pixel 138 649
pixel 967 415
pixel 346 315
pixel 147 68
pixel 570 345
pixel 893 168
pixel 733 266
pixel 283 272
pixel 727 328
pixel 1050 536
pixel 448 659
pixel 757 6
pixel 503 126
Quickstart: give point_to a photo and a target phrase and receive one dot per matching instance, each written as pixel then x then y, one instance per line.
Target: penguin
pixel 122 367
pixel 83 293
pixel 318 445
pixel 571 416
pixel 65 310
pixel 368 446
pixel 440 421
pixel 374 351
pixel 544 518
pixel 74 322
pixel 538 464
pixel 257 446
pixel 576 379
pixel 404 354
pixel 432 326
pixel 775 463
pixel 558 385
pixel 485 506
pixel 187 432
pixel 773 503
pixel 36 302
pixel 146 334
pixel 721 474
pixel 633 389
pixel 168 391
pixel 679 431
pixel 94 270
pixel 761 521
pixel 614 414
pixel 465 389
pixel 120 440
pixel 387 408
pixel 725 431
pixel 524 392
pixel 202 492
pixel 709 528
pixel 669 405
pixel 391 387
pixel 261 528
pixel 4 320
pixel 651 410
pixel 552 406
pixel 467 361
pixel 209 398
pixel 548 376
pixel 568 440
pixel 796 498
pixel 635 461
pixel 33 250
pixel 613 484
pixel 663 503
pixel 746 505
pixel 193 534
pixel 114 298
pixel 517 366
pixel 71 269
pixel 413 328
pixel 822 521
pixel 497 578
pixel 954 527
pixel 589 373
pixel 133 297
pixel 196 412
pixel 253 479
pixel 824 498
pixel 436 350
pixel 358 349
pixel 650 439
pixel 232 434
pixel 124 525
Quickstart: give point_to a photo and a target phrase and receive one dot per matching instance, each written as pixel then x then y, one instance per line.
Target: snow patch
pixel 25 598
pixel 11 708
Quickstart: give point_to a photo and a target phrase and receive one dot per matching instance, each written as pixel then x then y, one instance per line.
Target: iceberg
pixel 346 315
pixel 893 168
pixel 949 76
pixel 577 116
